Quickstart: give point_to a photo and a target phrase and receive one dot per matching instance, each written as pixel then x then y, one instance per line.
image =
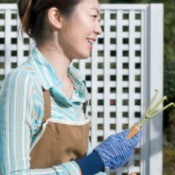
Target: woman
pixel 43 121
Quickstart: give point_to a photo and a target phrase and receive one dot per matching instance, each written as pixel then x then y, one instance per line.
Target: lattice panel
pixel 115 72
pixel 13 48
pixel 113 75
pixel 2 44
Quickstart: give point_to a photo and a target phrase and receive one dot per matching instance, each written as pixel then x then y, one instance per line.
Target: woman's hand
pixel 116 149
pixel 113 152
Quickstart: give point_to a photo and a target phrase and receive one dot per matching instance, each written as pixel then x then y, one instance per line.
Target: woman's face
pixel 78 34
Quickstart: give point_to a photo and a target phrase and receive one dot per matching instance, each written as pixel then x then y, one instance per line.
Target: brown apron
pixel 58 141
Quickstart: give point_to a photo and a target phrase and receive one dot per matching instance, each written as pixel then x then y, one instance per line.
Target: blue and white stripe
pixel 22 111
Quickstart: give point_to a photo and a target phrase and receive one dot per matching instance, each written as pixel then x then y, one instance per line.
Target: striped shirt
pixel 22 111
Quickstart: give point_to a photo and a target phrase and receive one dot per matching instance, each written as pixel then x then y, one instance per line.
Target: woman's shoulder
pixel 21 75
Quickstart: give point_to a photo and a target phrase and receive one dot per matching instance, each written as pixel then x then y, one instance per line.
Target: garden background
pixel 169 78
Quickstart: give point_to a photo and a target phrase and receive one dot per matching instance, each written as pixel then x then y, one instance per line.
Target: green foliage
pixel 169 76
pixel 8 1
pixel 169 160
pixel 170 129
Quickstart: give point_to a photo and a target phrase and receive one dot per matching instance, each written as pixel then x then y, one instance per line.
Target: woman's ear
pixel 55 18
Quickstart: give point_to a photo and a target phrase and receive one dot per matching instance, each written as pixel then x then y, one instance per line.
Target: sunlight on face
pixel 81 32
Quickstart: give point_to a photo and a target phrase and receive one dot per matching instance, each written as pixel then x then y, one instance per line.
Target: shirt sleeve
pixel 16 116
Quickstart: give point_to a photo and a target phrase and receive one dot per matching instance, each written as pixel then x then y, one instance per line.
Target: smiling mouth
pixel 91 40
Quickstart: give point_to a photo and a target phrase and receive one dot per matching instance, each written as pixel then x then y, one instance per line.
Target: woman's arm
pixel 90 151
pixel 16 116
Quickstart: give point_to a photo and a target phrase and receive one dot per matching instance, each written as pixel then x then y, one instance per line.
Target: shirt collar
pixel 76 77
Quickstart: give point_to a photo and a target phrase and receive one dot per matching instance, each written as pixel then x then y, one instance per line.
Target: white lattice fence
pixel 125 67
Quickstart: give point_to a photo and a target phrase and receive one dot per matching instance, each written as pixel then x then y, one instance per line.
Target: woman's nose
pixel 98 30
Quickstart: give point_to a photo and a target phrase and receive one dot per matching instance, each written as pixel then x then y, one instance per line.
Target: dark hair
pixel 33 12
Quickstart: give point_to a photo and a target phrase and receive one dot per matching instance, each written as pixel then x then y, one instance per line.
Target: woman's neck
pixel 55 56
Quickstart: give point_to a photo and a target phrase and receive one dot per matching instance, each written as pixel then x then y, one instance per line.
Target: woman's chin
pixel 84 56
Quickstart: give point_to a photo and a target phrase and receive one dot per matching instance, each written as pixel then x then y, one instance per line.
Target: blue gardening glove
pixel 113 152
pixel 116 149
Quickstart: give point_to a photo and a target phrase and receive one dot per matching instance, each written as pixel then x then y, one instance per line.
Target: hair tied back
pixel 26 17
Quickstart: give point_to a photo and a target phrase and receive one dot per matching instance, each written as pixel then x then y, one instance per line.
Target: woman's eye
pixel 94 16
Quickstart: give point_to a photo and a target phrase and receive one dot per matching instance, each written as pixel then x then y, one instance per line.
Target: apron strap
pixel 47 105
